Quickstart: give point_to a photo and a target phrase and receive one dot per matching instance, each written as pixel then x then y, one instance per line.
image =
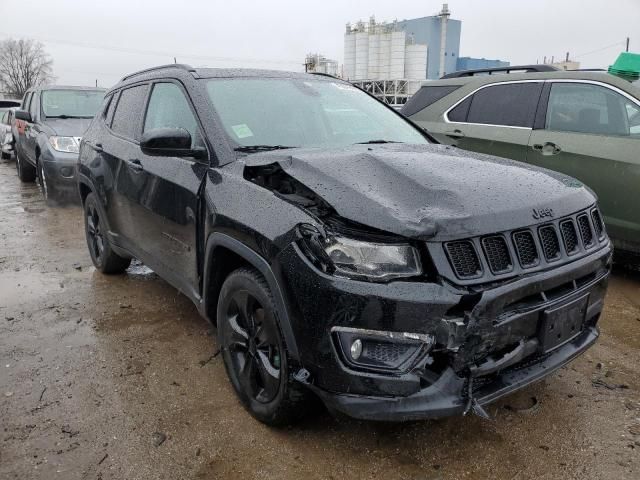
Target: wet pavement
pixel 116 377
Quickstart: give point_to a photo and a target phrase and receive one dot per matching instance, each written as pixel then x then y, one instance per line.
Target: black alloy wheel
pixel 254 351
pixel 102 255
pixel 253 346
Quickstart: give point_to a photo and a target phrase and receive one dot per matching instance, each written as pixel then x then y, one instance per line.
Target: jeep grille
pixel 556 242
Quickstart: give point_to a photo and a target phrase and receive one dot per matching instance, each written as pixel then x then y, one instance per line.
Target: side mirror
pixel 23 115
pixel 169 142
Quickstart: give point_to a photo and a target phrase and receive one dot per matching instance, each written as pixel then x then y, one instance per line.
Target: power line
pixel 600 49
pixel 157 53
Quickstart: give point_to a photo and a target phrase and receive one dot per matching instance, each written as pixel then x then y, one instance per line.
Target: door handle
pixel 455 134
pixel 135 164
pixel 547 148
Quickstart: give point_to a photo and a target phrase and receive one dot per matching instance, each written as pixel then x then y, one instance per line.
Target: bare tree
pixel 23 64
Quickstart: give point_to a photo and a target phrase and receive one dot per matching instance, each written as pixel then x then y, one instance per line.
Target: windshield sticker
pixel 242 130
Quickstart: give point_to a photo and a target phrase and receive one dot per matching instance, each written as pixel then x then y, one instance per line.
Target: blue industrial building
pixel 443 59
pixel 428 30
pixel 469 63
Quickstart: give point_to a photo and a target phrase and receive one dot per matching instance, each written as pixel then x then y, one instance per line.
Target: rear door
pixel 166 207
pixel 496 119
pixel 591 131
pixel 121 153
pixel 32 128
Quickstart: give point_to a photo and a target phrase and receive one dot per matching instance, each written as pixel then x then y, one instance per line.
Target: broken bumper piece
pixel 449 395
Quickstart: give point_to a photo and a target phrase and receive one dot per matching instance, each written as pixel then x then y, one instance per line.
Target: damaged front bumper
pixel 479 345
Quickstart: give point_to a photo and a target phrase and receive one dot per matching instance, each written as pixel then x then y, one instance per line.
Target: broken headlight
pixel 357 259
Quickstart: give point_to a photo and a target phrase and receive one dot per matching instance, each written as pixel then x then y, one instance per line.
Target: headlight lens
pixel 378 261
pixel 347 257
pixel 65 144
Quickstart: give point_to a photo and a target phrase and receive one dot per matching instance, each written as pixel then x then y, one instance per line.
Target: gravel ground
pixel 116 378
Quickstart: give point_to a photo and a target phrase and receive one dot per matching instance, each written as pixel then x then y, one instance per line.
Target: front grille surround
pixel 520 251
pixel 550 243
pixel 598 223
pixel 497 254
pixel 586 233
pixel 569 237
pixel 464 259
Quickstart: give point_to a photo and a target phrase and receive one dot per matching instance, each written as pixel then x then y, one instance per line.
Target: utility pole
pixel 174 60
pixel 96 83
pixel 627 44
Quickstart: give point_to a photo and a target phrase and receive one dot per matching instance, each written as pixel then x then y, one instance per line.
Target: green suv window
pixel 593 109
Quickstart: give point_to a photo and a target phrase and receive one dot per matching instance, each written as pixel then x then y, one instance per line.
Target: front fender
pixel 217 239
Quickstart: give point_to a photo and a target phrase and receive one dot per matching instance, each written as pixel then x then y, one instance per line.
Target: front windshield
pixel 71 103
pixel 304 113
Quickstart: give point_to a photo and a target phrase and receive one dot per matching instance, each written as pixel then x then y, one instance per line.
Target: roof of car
pixel 479 80
pixel 180 69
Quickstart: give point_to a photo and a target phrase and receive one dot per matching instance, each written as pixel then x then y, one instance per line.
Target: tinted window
pixel 585 108
pixel 34 106
pixel 168 107
pixel 112 107
pixel 71 103
pixel 304 112
pixel 460 112
pixel 25 101
pixel 425 97
pixel 512 104
pixel 126 119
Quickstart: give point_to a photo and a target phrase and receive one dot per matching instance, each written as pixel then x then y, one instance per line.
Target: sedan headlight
pixel 351 258
pixel 65 144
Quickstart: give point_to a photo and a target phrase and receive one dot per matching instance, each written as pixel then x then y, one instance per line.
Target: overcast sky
pixel 103 40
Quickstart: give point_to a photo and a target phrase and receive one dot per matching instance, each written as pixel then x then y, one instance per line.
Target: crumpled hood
pixel 429 191
pixel 68 127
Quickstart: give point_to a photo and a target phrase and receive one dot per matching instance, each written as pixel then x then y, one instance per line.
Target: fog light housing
pixel 66 172
pixel 356 349
pixel 380 351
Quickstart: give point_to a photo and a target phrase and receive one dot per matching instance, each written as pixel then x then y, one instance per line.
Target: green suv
pixel 582 123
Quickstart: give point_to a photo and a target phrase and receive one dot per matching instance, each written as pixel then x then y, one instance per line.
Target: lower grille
pixel 550 243
pixel 497 253
pixel 464 259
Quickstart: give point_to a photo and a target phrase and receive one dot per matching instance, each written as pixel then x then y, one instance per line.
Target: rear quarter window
pixel 128 113
pixel 427 95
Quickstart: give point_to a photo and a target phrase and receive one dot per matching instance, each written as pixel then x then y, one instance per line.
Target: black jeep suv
pixel 339 250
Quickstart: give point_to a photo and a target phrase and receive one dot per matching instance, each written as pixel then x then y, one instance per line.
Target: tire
pixel 102 255
pixel 254 352
pixel 26 171
pixel 5 156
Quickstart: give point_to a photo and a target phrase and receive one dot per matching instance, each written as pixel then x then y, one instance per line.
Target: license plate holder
pixel 563 323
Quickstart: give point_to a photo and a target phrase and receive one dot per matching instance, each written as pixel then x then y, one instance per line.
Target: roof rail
pixel 322 74
pixel 489 71
pixel 181 66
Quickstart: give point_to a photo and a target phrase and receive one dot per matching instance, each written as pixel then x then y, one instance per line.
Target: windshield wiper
pixel 376 141
pixel 260 148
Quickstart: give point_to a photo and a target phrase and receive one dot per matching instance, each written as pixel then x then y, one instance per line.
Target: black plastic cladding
pixel 536 248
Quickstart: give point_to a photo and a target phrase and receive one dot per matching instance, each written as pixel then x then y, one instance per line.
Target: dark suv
pixel 49 126
pixel 338 249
